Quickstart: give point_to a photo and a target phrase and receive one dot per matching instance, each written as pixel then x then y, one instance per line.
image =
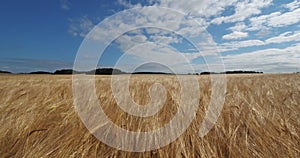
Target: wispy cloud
pixel 65 4
pixel 282 38
pixel 275 19
pixel 269 60
pixel 19 65
pixel 81 26
pixel 285 37
pixel 293 5
pixel 128 4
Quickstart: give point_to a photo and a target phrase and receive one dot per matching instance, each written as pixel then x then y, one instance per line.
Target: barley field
pixel 260 117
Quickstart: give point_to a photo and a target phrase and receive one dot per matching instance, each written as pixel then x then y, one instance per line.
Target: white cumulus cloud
pixel 244 10
pixel 235 35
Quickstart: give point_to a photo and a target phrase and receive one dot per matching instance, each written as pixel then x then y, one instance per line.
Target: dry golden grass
pixel 260 118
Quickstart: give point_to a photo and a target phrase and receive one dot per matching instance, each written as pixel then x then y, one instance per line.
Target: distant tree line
pixel 232 72
pixel 5 72
pixel 152 73
pixel 110 71
pixel 102 71
pixel 40 72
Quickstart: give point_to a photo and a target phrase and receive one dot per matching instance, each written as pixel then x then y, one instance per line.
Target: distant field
pixel 260 118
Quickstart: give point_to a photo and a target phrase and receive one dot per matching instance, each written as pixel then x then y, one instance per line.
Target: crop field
pixel 260 117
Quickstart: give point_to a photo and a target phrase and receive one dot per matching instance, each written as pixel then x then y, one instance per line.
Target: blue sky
pixel 260 35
